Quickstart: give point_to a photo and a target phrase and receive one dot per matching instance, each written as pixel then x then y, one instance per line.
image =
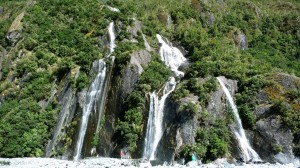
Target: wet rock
pixel 217 106
pixel 67 100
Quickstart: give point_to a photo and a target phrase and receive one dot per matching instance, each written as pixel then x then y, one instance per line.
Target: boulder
pixel 272 140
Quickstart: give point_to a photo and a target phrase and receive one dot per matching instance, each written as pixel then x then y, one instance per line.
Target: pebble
pixel 118 163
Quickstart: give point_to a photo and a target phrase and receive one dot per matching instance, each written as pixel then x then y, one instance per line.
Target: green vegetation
pixel 130 127
pixel 59 36
pixel 212 141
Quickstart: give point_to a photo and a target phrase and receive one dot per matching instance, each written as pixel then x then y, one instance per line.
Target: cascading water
pixel 155 120
pixel 96 91
pixel 112 38
pixel 173 58
pixel 248 152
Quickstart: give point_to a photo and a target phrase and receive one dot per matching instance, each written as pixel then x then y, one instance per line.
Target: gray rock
pixel 13 35
pixel 134 69
pixel 218 106
pixel 289 82
pixel 273 133
pixel 133 30
pixel 169 21
pixel 262 97
pixel 262 110
pixel 1 10
pixel 67 100
pixel 211 19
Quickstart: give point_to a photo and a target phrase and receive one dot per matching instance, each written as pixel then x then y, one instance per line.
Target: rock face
pixel 217 106
pixel 271 135
pixel 121 85
pixel 181 126
pixel 133 70
pixel 67 100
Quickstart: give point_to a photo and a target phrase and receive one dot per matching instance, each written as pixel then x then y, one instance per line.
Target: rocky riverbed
pixel 114 163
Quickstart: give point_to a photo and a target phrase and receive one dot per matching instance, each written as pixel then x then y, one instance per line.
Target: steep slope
pixel 47 52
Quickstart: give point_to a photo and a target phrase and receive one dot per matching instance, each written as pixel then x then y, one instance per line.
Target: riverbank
pixel 115 163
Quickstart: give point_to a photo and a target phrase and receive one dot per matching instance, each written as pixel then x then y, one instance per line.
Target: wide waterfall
pixel 248 152
pixel 96 91
pixel 173 58
pixel 155 120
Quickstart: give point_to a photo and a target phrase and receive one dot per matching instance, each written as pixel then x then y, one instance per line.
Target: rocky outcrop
pixel 15 29
pixel 181 126
pixel 133 70
pixel 274 141
pixel 67 100
pixel 118 89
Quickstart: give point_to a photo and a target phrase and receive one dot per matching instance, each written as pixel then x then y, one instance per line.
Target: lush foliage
pixel 130 127
pixel 57 38
pixel 61 35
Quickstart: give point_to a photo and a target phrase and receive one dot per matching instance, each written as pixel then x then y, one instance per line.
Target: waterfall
pixel 113 9
pixel 173 58
pixel 112 38
pixel 155 120
pixel 96 92
pixel 248 152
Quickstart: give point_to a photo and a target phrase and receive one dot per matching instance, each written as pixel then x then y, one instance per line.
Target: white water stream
pixel 173 58
pixel 155 120
pixel 96 91
pixel 248 152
